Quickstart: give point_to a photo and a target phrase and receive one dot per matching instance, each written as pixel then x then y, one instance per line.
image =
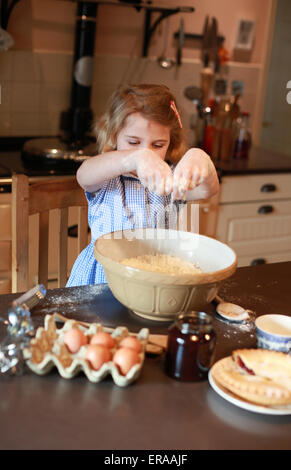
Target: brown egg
pixel 104 338
pixel 125 358
pixel 97 355
pixel 74 339
pixel 132 343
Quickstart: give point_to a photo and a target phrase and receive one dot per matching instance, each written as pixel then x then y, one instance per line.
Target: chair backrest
pixel 40 198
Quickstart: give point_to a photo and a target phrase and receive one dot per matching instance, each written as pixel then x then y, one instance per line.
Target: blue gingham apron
pixel 122 203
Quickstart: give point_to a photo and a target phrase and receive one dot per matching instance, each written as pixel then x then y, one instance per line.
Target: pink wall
pixel 48 25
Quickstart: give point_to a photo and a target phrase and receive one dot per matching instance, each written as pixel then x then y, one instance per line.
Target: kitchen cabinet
pixel 255 217
pixel 251 214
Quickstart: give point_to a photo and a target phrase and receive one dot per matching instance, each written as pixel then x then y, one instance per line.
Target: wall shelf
pixel 149 25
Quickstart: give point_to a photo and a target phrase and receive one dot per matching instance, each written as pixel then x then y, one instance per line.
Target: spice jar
pixel 191 347
pixel 242 137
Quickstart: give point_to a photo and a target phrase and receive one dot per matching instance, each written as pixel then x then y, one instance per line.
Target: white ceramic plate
pixel 241 403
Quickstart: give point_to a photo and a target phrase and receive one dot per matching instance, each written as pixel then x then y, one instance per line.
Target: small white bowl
pixel 274 332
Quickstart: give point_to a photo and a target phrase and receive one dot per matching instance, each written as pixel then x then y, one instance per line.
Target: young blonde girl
pixel 142 165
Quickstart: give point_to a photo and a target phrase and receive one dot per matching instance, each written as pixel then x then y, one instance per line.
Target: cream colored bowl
pixel 162 296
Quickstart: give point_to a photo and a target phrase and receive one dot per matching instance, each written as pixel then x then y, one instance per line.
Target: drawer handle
pixel 268 188
pixel 257 261
pixel 265 209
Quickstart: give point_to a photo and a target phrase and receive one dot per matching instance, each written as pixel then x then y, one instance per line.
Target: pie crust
pixel 258 376
pixel 272 365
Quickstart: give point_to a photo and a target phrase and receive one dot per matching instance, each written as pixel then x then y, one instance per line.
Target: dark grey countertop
pixel 260 161
pixel 156 412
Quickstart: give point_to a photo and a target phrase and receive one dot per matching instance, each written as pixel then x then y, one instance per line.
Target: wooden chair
pixel 40 198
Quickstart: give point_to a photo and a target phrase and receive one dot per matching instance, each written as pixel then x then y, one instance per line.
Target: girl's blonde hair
pixel 154 103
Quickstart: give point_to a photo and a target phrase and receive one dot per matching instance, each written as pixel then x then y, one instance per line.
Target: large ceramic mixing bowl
pixel 162 296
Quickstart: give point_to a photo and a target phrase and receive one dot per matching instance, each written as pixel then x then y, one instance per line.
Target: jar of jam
pixel 191 347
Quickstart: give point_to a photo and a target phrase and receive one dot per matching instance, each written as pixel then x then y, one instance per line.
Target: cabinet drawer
pixel 266 257
pixel 255 187
pixel 258 248
pixel 254 221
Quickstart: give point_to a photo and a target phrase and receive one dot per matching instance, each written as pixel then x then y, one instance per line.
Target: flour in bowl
pixel 162 264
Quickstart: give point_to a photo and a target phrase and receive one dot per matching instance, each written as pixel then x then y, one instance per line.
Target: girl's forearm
pixel 94 171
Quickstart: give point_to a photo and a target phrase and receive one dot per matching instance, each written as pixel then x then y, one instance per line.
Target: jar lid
pixel 192 322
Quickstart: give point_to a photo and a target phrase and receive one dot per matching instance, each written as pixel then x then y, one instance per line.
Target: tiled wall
pixel 34 89
pixel 35 86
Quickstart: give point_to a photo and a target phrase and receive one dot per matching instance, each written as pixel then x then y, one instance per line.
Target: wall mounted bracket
pixel 165 12
pixel 149 27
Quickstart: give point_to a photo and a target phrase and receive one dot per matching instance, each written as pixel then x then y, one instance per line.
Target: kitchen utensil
pixel 217 126
pixel 242 137
pixel 164 61
pixel 210 46
pixel 205 42
pixel 223 113
pixel 52 151
pixel 232 312
pixel 234 106
pixel 180 43
pixel 206 83
pixel 215 45
pixel 220 86
pixel 225 133
pixel 194 94
pixel 207 72
pixel 158 295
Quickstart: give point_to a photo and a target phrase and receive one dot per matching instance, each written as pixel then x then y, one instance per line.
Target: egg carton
pixel 47 350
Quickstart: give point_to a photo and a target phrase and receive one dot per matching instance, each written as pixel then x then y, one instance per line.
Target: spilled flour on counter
pixel 72 300
pixel 236 329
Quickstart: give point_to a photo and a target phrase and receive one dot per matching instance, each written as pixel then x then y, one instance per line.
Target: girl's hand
pixel 153 172
pixel 191 171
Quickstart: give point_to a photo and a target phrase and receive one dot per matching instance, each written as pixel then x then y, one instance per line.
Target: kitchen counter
pixel 156 412
pixel 11 162
pixel 259 161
